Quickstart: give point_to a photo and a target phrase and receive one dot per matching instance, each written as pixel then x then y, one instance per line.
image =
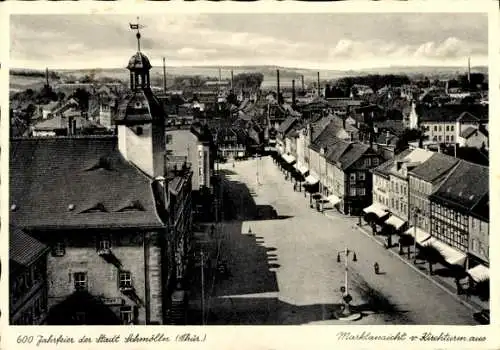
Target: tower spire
pixel 138 27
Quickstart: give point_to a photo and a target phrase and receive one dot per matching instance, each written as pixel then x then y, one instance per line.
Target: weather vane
pixel 137 26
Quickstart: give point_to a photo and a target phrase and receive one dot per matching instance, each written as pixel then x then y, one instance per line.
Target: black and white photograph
pixel 249 169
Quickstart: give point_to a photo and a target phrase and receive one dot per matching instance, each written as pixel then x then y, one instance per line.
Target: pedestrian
pixel 376 267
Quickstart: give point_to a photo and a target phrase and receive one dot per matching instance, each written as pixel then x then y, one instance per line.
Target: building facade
pixel 28 302
pixel 451 204
pixel 108 213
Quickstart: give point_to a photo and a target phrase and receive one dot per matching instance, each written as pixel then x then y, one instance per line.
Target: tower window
pixel 139 130
pixel 80 280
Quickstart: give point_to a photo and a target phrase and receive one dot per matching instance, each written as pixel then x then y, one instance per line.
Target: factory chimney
pixel 293 92
pixel 232 79
pixel 303 86
pixel 319 91
pixel 164 77
pixel 47 76
pixel 468 70
pixel 278 85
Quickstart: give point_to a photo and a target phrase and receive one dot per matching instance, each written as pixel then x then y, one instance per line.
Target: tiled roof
pixel 468 132
pixel 23 248
pixel 482 208
pixel 451 112
pixel 434 167
pixel 346 153
pixel 395 126
pixel 325 138
pixel 384 168
pixel 140 106
pixel 344 102
pixel 78 182
pixel 319 125
pixel 464 187
pixel 61 122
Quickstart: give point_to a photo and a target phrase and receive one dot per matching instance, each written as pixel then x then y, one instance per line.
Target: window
pixel 375 161
pixel 447 128
pixel 368 162
pixel 452 128
pixel 80 280
pixel 104 244
pixel 200 171
pixel 447 138
pixel 361 191
pixel 125 279
pixel 435 128
pixel 452 138
pixel 361 176
pixel 169 139
pixel 59 249
pixel 352 178
pixel 352 192
pixel 440 138
pixel 139 130
pixel 126 314
pixel 439 128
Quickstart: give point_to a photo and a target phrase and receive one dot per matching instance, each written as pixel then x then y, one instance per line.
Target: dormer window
pixel 99 207
pixel 132 206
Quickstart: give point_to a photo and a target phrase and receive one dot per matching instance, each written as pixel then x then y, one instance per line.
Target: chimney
pixel 232 79
pixel 387 137
pixel 343 122
pixel 161 186
pixel 293 92
pixel 303 86
pixel 74 126
pixel 278 85
pixel 164 77
pixel 47 76
pixel 319 93
pixel 70 126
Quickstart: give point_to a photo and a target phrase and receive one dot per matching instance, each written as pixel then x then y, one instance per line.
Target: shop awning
pixel 451 255
pixel 479 273
pixel 395 222
pixel 333 199
pixel 421 235
pixel 311 180
pixel 302 169
pixel 288 158
pixel 377 209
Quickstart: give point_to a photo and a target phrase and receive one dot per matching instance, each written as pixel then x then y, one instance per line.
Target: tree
pixel 408 136
pixel 431 255
pixel 82 97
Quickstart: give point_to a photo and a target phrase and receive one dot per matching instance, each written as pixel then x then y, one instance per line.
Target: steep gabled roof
pixel 287 124
pixel 464 187
pixel 55 181
pixel 23 248
pixel 434 167
pixel 468 132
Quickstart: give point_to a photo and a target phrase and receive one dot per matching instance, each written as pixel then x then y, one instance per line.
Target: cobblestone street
pixel 285 270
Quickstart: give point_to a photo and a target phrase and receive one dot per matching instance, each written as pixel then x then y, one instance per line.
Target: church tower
pixel 140 119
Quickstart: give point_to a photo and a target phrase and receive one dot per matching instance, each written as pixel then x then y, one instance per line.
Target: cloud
pixel 305 40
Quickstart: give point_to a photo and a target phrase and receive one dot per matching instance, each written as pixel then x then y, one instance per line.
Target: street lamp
pixel 347 298
pixel 416 211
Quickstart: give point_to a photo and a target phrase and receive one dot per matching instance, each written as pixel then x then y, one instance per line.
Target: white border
pixel 257 337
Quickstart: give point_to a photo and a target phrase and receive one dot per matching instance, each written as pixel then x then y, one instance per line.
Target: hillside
pixel 286 73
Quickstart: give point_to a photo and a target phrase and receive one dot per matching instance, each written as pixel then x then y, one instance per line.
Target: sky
pixel 316 41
